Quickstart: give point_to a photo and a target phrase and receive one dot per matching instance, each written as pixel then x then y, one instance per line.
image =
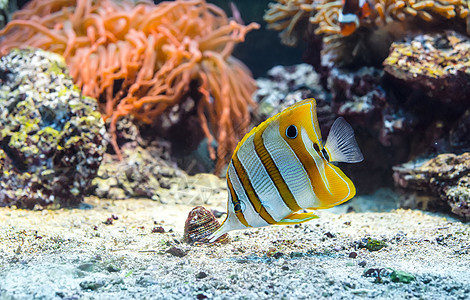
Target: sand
pixel 73 254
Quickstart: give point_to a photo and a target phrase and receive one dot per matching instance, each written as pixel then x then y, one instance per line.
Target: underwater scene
pixel 264 149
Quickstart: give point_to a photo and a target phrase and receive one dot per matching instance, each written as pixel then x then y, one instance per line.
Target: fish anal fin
pixel 296 218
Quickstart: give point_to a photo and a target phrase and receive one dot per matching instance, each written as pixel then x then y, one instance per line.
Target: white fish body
pixel 281 168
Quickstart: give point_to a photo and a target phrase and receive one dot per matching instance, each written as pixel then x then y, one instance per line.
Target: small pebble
pixel 362 263
pixel 201 296
pixel 111 268
pixel 353 254
pixel 329 234
pixel 296 254
pixel 158 229
pixel 87 267
pixel 176 252
pixel 91 285
pixel 60 294
pixel 201 275
pixel 285 268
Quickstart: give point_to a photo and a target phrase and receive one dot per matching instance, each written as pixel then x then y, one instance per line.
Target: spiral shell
pixel 200 224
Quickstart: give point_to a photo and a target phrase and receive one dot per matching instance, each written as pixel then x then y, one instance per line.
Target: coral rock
pixel 199 225
pixel 148 171
pixel 445 177
pixel 437 64
pixel 51 137
pixel 460 132
pixel 357 95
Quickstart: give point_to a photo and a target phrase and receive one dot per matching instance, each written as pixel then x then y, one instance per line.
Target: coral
pixel 388 21
pixel 388 11
pixel 437 64
pixel 289 17
pixel 445 177
pixel 285 15
pixel 141 59
pixel 51 137
pixel 199 225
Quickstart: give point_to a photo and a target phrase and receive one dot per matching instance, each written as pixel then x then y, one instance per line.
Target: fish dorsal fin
pixel 341 144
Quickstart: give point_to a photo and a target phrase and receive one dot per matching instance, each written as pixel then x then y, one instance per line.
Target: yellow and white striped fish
pixel 280 168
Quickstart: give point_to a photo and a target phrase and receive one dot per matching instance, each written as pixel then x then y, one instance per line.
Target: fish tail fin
pixel 341 144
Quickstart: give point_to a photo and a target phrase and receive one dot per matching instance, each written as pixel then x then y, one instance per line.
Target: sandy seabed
pixel 73 254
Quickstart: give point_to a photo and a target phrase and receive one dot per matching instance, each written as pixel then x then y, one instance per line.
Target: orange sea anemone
pixel 140 59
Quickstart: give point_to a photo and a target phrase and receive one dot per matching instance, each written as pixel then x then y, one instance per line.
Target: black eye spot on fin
pixel 237 207
pixel 315 146
pixel 291 132
pixel 325 154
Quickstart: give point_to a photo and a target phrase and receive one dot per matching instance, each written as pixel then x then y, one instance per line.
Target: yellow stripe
pixel 274 173
pixel 240 214
pixel 250 191
pixel 340 185
pixel 313 173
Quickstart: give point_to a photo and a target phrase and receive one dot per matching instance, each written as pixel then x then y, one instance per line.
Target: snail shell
pixel 200 224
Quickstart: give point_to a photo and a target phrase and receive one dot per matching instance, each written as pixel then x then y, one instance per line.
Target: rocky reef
pixel 51 137
pixel 441 182
pixel 148 171
pixel 436 64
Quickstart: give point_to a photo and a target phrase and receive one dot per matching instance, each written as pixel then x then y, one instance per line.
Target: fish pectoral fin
pixel 341 144
pixel 296 218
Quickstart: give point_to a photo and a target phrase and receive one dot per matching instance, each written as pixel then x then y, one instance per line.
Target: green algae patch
pixel 401 276
pixel 375 245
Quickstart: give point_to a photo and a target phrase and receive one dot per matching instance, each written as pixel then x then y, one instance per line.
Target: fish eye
pixel 291 132
pixel 325 154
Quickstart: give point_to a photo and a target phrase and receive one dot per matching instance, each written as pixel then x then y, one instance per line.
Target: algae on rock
pixel 51 137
